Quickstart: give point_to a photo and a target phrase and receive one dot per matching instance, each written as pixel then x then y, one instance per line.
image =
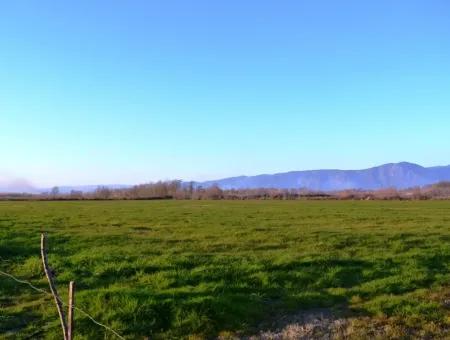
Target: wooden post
pixel 70 312
pixel 49 274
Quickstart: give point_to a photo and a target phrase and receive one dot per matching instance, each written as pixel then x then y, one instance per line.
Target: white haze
pixel 11 184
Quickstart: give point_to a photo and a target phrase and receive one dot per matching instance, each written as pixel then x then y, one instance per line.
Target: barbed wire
pixel 74 307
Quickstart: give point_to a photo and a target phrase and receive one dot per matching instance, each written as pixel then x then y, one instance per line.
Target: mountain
pixel 394 175
pixel 86 188
pixel 20 187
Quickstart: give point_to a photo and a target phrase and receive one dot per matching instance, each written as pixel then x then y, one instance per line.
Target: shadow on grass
pixel 207 296
pixel 204 294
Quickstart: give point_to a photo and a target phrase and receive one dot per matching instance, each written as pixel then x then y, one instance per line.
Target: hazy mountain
pixel 398 175
pixel 25 187
pixel 394 175
pixel 86 188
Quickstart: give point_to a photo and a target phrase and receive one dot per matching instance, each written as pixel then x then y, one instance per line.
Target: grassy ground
pixel 173 269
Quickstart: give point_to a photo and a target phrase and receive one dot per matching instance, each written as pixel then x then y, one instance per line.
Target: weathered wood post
pixel 49 274
pixel 70 312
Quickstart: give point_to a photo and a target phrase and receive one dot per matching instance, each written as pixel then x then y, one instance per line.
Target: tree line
pixel 190 191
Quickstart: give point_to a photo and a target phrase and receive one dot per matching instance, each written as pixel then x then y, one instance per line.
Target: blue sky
pixel 134 91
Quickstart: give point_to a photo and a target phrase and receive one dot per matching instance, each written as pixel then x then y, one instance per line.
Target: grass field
pixel 174 269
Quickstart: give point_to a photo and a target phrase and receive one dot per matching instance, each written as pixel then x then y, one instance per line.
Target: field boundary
pixel 43 291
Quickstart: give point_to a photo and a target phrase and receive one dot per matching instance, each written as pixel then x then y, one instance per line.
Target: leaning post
pixel 49 274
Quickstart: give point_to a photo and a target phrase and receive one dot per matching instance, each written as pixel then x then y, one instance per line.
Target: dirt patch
pixel 324 324
pixel 312 324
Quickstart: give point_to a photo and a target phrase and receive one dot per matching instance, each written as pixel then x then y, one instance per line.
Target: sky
pixel 109 91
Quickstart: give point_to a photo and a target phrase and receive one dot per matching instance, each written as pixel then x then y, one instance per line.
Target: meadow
pixel 199 269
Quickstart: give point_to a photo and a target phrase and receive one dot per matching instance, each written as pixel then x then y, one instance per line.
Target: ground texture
pixel 229 269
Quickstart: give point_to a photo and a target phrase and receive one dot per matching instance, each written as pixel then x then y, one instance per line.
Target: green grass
pixel 171 269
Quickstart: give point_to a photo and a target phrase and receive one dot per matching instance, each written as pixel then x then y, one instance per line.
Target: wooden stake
pixel 53 290
pixel 70 312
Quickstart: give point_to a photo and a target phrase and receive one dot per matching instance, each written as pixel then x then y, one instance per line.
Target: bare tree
pixel 102 193
pixel 214 193
pixel 54 192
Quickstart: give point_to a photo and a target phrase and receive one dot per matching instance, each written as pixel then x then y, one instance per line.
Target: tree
pixel 76 194
pixel 54 192
pixel 102 193
pixel 213 192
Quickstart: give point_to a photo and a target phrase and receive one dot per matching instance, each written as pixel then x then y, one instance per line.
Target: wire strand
pixel 74 307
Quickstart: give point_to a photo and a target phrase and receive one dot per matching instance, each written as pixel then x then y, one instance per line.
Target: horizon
pixel 128 93
pixel 23 183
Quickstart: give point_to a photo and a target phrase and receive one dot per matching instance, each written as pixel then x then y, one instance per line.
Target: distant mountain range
pixel 29 189
pixel 394 175
pixel 86 188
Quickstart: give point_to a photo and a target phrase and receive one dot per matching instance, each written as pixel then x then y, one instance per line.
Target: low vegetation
pixel 189 191
pixel 203 269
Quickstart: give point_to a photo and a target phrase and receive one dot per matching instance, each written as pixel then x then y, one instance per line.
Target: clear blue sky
pixel 134 91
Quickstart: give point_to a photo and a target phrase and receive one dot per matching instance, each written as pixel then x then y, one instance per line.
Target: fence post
pixel 49 274
pixel 70 312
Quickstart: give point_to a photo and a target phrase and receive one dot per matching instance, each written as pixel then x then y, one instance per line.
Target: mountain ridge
pixel 400 175
pixel 391 175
